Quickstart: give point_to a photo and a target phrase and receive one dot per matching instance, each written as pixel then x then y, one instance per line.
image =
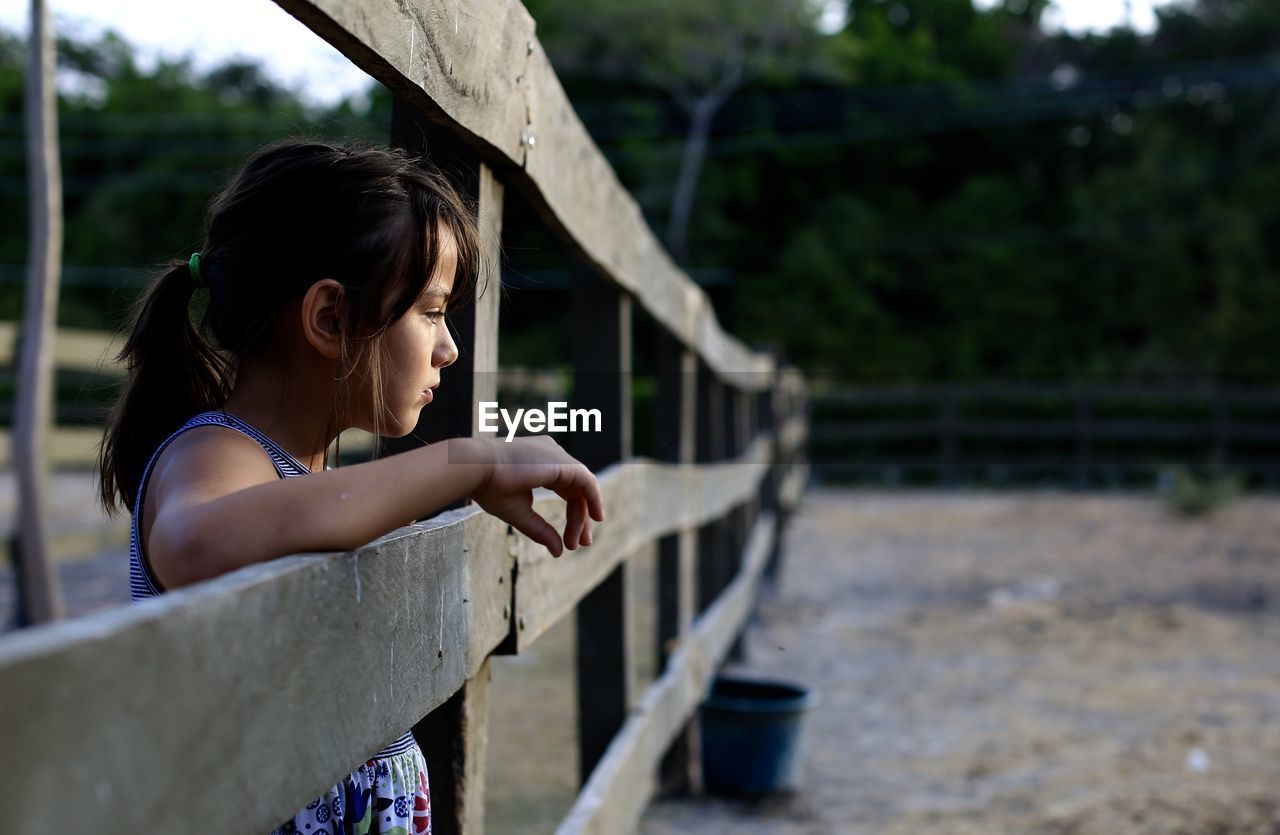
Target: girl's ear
pixel 322 311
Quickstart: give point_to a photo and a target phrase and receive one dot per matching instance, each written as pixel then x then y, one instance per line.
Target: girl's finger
pixel 574 518
pixel 580 483
pixel 595 501
pixel 530 523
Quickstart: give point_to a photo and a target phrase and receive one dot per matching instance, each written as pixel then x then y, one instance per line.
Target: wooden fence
pixel 1099 435
pixel 226 706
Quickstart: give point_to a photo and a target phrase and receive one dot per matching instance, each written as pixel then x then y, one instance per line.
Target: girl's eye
pixel 434 316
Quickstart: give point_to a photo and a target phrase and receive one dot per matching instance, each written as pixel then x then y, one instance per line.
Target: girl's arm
pixel 236 511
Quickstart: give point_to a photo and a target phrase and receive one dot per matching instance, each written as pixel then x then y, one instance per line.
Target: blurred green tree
pixel 697 52
pixel 143 150
pixel 936 190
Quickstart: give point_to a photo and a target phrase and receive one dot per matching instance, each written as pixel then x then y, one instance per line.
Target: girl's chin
pixel 408 423
pixel 397 428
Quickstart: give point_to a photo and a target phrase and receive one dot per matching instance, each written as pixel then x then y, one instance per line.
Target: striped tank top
pixel 143 584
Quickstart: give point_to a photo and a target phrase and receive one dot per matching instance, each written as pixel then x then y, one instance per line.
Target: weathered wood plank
pixel 1083 423
pixel 490 548
pixel 259 667
pixel 676 437
pixel 602 381
pixel 1064 394
pixel 739 428
pixel 39 594
pixel 76 541
pixel 793 433
pixel 489 290
pixel 712 445
pixel 621 785
pixel 474 743
pixel 793 486
pixel 459 738
pixel 73 349
pixel 67 446
pixel 460 64
pixel 476 67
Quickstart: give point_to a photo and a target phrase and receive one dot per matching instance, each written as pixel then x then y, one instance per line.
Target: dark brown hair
pixel 298 211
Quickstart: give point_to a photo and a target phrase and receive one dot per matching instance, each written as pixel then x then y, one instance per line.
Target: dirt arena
pixel 1023 663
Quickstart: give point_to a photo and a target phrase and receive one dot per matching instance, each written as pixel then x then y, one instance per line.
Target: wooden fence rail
pixel 232 703
pixel 243 686
pixel 1072 434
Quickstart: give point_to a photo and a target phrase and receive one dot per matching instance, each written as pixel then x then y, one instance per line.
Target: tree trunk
pixel 695 149
pixel 38 584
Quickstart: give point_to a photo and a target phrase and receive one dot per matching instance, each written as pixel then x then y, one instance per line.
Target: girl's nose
pixel 447 351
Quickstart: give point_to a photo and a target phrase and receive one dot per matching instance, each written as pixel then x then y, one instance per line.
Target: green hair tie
pixel 193 264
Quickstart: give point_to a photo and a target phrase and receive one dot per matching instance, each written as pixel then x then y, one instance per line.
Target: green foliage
pixel 926 41
pixel 794 306
pixel 943 191
pixel 143 150
pixel 1188 494
pixel 936 191
pixel 679 46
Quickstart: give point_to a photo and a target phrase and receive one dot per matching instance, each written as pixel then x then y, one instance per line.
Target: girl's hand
pixel 516 468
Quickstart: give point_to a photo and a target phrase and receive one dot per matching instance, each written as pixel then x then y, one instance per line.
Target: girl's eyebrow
pixel 435 295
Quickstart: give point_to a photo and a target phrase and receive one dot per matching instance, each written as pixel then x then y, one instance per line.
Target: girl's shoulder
pixel 207 458
pixel 210 454
pixel 208 437
pixel 215 438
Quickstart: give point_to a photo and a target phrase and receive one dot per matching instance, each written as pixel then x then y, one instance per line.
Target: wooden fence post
pixel 744 429
pixel 1220 457
pixel 751 403
pixel 787 403
pixel 773 419
pixel 473 376
pixel 1084 438
pixel 455 736
pixel 677 377
pixel 39 598
pixel 948 414
pixel 735 522
pixel 709 448
pixel 602 380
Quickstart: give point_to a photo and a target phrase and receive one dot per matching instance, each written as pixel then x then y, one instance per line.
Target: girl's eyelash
pixel 434 315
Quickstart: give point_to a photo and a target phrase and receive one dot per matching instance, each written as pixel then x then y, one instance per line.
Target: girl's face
pixel 417 346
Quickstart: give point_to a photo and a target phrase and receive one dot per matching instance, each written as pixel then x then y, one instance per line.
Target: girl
pixel 325 276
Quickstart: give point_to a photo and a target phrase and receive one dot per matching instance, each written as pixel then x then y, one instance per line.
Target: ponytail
pixel 173 373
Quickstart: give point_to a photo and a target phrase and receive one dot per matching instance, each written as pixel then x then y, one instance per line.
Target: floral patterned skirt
pixel 385 796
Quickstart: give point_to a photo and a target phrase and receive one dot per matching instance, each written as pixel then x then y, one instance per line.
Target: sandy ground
pixel 1022 663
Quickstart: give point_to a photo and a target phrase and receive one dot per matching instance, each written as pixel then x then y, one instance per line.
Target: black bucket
pixel 751 735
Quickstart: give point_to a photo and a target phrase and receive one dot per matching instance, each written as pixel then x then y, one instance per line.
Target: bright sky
pixel 1098 15
pixel 215 31
pixel 212 32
